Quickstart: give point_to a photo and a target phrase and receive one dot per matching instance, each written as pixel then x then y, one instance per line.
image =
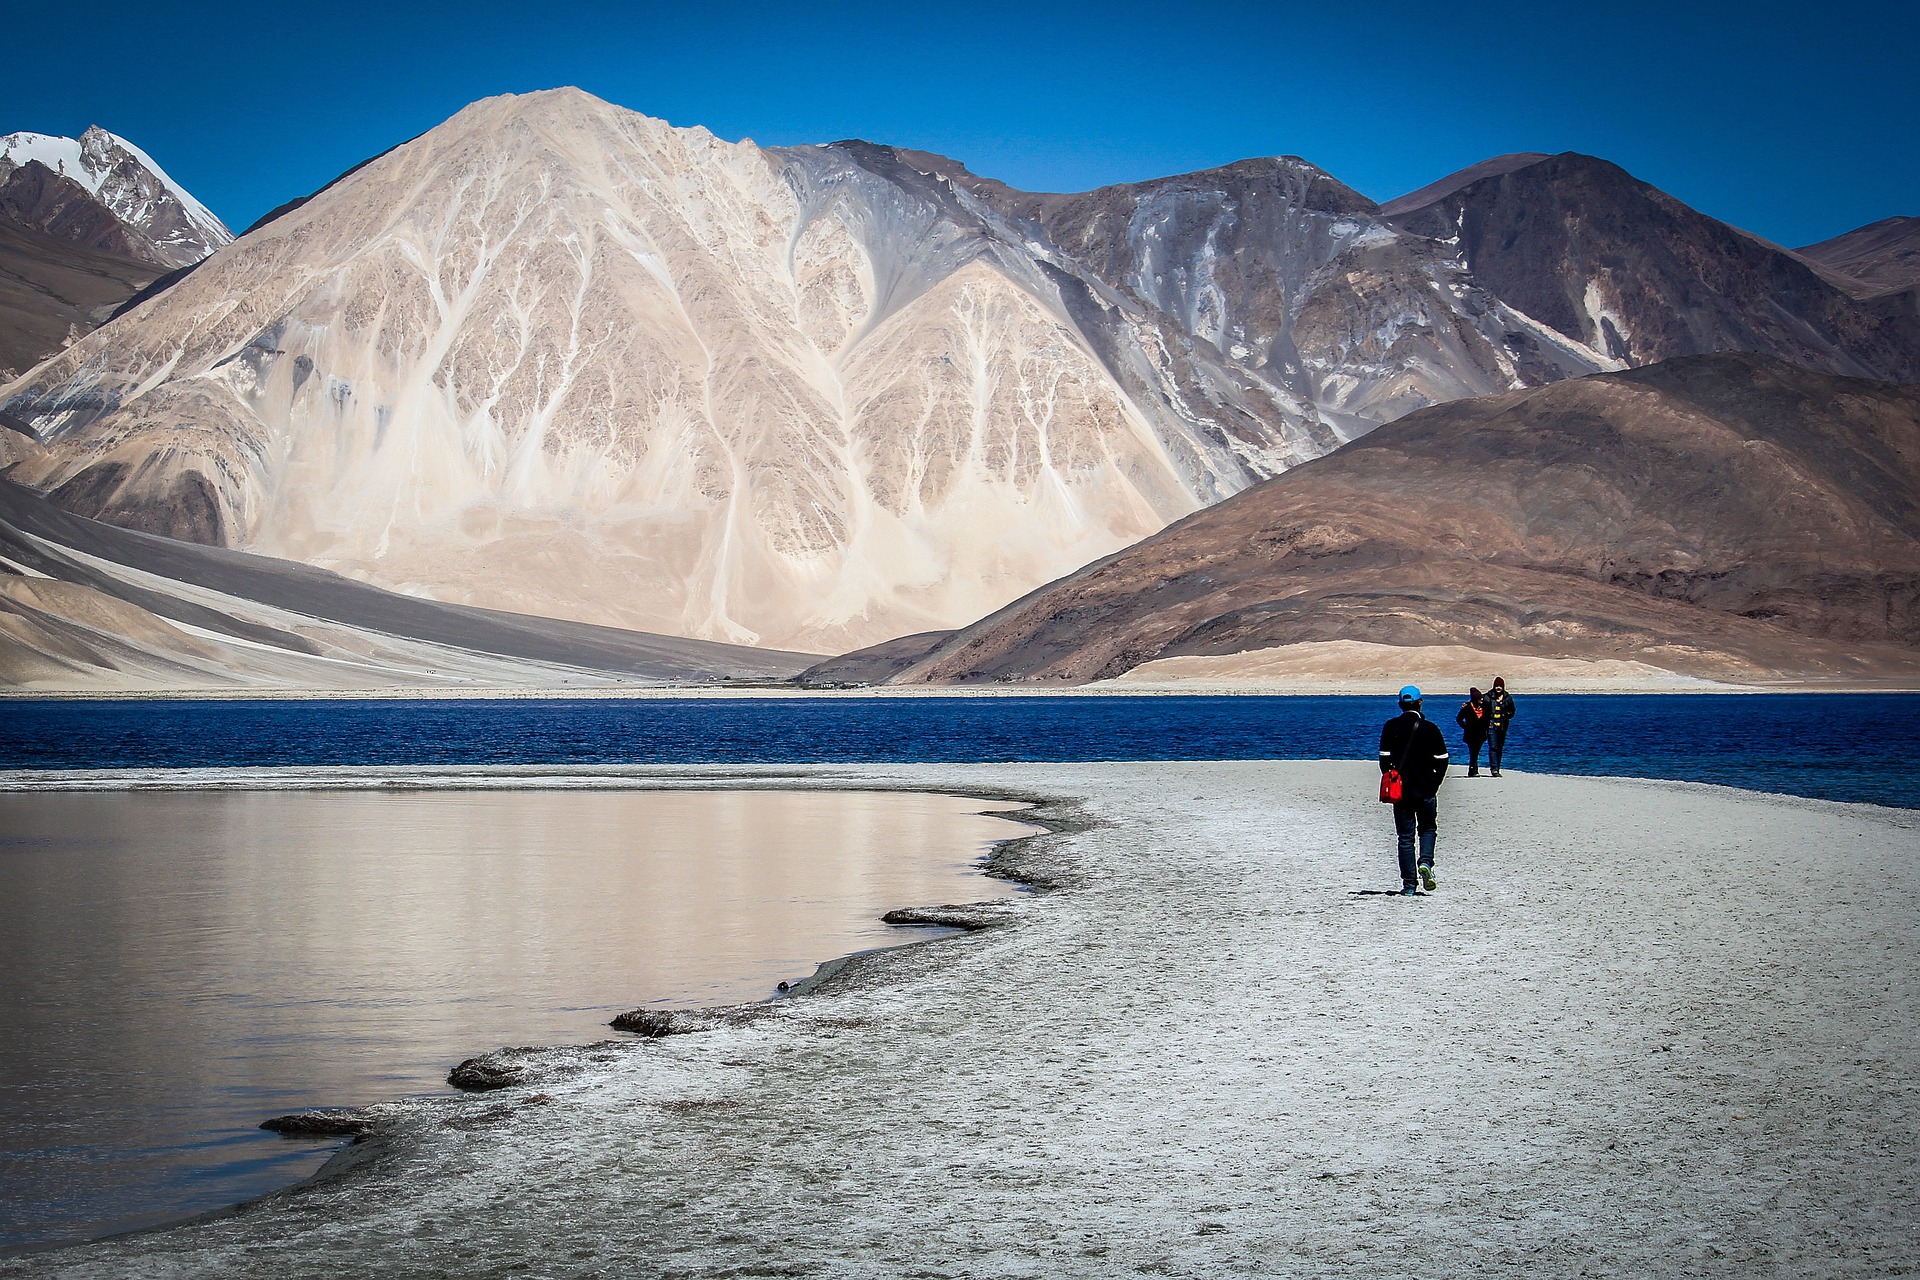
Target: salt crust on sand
pixel 1642 1029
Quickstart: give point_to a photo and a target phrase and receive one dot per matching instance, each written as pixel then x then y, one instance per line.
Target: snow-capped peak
pixel 127 182
pixel 62 155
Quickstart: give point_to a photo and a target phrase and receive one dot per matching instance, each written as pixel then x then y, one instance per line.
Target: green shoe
pixel 1426 877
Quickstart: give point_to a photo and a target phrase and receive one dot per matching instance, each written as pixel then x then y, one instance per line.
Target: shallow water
pixel 178 966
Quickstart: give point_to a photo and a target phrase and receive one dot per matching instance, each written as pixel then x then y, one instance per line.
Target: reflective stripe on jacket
pixel 1416 744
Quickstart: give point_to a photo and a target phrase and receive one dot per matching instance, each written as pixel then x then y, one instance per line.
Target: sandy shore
pixel 1358 667
pixel 1642 1029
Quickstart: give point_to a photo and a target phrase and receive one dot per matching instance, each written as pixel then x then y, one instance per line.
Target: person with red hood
pixel 1499 716
pixel 1473 721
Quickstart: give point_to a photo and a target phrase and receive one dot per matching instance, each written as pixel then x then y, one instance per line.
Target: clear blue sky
pixel 1795 121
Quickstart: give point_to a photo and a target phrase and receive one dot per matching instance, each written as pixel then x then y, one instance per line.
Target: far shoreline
pixel 773 692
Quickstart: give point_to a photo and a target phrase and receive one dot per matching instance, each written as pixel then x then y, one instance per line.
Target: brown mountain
pixel 1584 247
pixel 1436 191
pixel 1710 515
pixel 86 225
pixel 102 191
pixel 52 291
pixel 35 197
pixel 1881 257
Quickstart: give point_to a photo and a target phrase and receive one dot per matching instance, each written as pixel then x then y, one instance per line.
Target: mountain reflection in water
pixel 179 966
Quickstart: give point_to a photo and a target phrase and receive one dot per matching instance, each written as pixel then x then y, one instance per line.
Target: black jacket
pixel 1422 762
pixel 1474 727
pixel 1500 710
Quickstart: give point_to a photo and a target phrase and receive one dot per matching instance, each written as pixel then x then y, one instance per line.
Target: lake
pixel 1829 746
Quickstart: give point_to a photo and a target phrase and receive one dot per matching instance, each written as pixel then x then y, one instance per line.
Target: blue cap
pixel 1410 694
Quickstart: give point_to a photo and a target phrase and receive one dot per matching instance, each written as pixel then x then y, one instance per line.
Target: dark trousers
pixel 1496 743
pixel 1473 754
pixel 1407 815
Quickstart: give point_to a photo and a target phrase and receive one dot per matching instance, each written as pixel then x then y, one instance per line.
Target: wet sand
pixel 1642 1028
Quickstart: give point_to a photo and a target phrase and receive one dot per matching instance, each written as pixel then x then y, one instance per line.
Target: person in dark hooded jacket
pixel 1499 717
pixel 1474 722
pixel 1415 746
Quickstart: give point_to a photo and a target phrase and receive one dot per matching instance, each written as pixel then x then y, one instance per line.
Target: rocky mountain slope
pixel 1881 257
pixel 559 358
pixel 1599 257
pixel 1727 515
pixel 1291 277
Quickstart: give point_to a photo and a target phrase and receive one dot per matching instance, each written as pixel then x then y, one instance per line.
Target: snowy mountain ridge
pixel 129 184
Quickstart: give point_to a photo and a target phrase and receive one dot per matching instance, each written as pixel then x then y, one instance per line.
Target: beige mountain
pixel 561 358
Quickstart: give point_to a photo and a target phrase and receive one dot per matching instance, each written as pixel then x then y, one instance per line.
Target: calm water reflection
pixel 179 966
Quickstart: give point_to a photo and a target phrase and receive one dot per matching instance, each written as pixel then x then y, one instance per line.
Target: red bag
pixel 1390 787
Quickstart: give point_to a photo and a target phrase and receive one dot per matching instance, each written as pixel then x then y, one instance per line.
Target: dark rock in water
pixel 972 917
pixel 321 1122
pixel 501 1069
pixel 663 1022
pixel 506 1068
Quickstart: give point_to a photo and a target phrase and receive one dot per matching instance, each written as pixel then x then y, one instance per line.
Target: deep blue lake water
pixel 1862 747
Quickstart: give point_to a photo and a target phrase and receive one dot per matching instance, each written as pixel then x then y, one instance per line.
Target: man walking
pixel 1472 719
pixel 1499 716
pixel 1414 745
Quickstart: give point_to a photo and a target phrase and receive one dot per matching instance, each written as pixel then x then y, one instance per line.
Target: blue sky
pixel 1794 121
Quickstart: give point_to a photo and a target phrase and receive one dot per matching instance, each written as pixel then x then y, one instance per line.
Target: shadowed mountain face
pixel 1602 258
pixel 52 291
pixel 1882 257
pixel 1713 515
pixel 559 358
pixel 36 198
pixel 1434 192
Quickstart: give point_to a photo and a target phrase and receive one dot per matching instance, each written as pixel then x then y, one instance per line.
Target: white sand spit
pixel 1641 1029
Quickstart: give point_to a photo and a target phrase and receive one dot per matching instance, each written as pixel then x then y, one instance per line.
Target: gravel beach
pixel 1641 1028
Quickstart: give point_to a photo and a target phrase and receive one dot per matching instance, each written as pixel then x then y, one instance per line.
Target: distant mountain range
pixel 558 358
